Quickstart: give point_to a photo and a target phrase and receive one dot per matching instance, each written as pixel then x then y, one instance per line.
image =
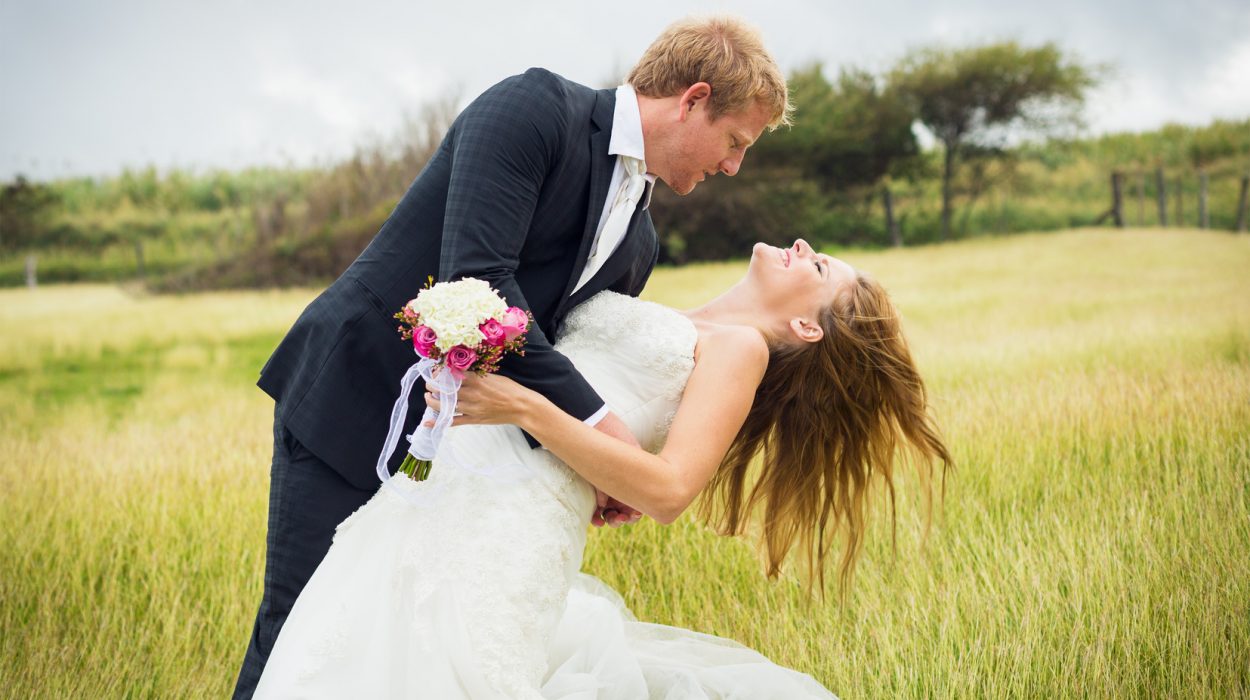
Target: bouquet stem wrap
pixel 425 440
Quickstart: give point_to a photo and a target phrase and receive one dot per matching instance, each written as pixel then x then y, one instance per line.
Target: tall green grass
pixel 1094 539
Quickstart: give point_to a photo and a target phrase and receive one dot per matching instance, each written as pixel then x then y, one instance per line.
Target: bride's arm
pixel 713 407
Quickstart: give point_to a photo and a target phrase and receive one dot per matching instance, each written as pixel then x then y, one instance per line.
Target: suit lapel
pixel 601 164
pixel 626 254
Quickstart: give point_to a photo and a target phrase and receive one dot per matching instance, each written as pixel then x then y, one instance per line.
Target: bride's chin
pixel 765 255
pixel 759 258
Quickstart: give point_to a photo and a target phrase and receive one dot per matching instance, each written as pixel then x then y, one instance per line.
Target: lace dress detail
pixel 648 350
pixel 477 593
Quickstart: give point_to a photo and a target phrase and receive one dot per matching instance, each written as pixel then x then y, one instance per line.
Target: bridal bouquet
pixel 455 327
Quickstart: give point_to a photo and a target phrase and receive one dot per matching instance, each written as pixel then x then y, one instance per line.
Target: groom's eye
pixel 819 269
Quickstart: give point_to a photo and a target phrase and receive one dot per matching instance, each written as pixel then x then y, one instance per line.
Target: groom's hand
pixel 610 511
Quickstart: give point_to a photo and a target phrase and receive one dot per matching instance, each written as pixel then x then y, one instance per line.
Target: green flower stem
pixel 417 469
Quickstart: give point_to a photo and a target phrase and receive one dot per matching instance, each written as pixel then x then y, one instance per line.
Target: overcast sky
pixel 93 86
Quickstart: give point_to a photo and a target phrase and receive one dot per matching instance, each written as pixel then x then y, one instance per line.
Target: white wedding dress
pixel 476 592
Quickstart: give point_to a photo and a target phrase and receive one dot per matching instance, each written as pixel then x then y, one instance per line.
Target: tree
pixel 25 208
pixel 1221 139
pixel 978 97
pixel 846 134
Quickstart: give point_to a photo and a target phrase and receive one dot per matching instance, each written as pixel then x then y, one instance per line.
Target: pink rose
pixel 423 338
pixel 494 332
pixel 515 322
pixel 459 359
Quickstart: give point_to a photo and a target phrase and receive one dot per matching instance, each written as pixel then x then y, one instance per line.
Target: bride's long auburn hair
pixel 829 417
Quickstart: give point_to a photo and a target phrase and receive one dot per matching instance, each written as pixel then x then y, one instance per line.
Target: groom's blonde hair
pixel 722 51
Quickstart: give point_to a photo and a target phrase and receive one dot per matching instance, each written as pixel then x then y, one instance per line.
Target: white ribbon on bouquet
pixel 425 440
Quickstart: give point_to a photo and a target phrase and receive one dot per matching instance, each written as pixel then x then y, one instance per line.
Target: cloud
pixel 320 98
pixel 92 87
pixel 1224 91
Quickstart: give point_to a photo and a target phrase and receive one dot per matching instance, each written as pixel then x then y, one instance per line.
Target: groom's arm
pixel 503 146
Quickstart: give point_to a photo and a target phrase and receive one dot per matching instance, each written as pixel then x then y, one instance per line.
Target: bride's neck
pixel 736 306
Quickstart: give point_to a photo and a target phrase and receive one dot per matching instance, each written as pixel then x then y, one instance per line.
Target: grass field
pixel 1094 540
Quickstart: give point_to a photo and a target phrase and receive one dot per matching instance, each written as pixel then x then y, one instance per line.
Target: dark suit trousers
pixel 307 500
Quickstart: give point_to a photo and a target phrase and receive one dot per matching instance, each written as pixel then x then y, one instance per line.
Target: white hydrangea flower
pixel 454 310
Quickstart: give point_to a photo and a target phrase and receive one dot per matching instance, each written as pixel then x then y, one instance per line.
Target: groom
pixel 540 188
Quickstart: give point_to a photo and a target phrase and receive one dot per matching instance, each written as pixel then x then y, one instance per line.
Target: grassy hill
pixel 1094 386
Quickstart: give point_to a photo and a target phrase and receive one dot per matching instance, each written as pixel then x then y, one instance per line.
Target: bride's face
pixel 795 284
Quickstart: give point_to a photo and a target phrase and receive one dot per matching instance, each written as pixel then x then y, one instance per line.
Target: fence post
pixel 31 262
pixel 1180 200
pixel 139 258
pixel 896 236
pixel 1117 198
pixel 1161 194
pixel 1141 198
pixel 1204 220
pixel 1241 204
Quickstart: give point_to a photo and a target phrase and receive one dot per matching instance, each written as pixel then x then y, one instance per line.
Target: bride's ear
pixel 805 330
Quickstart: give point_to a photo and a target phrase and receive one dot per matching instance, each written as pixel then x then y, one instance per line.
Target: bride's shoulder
pixel 741 345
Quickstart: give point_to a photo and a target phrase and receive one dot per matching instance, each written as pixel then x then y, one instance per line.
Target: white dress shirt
pixel 626 140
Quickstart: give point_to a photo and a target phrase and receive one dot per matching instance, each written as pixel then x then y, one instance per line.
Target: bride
pixel 475 592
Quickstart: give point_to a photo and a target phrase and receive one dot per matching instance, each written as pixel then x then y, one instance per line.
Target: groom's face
pixel 699 146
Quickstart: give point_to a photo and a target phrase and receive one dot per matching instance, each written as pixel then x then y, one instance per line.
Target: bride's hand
pixel 490 400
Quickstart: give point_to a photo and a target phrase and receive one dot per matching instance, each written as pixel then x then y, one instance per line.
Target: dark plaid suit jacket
pixel 512 196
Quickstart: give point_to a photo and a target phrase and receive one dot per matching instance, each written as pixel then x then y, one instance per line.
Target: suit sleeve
pixel 504 145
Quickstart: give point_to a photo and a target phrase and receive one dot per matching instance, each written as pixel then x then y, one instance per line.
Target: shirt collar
pixel 626 137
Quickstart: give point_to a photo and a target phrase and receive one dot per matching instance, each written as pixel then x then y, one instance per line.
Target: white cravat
pixel 630 193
